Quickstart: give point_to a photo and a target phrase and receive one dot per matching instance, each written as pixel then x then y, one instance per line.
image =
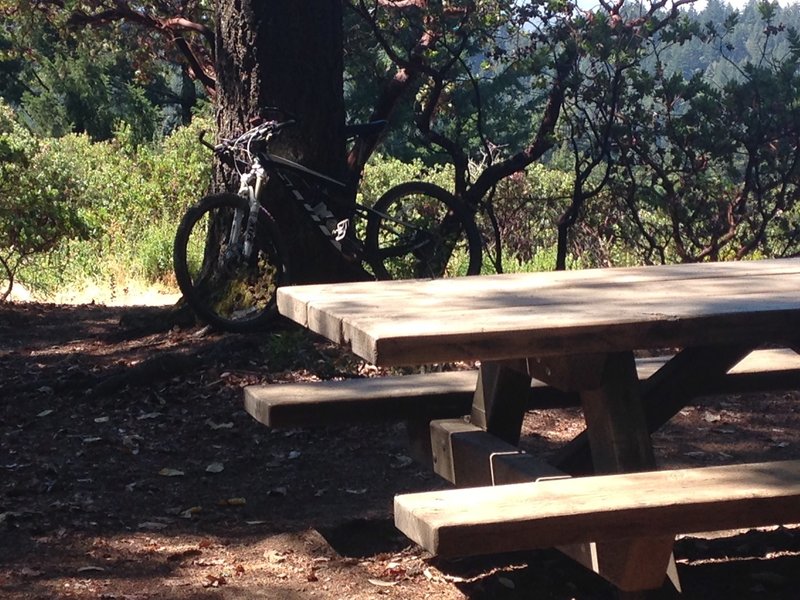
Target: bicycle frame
pixel 264 164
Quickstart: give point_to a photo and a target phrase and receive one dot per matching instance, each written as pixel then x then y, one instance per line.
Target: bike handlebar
pixel 262 131
pixel 227 149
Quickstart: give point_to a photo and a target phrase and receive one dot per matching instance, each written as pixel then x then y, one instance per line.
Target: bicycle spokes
pixel 223 284
pixel 418 230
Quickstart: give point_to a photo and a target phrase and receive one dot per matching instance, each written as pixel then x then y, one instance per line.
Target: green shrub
pixel 153 253
pixel 127 199
pixel 382 173
pixel 42 201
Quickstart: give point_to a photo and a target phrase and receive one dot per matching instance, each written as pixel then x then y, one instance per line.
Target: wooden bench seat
pixel 449 394
pixel 438 395
pixel 549 513
pixel 762 370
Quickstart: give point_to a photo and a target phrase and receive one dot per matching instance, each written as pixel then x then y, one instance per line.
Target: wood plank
pixel 498 317
pixel 536 289
pixel 511 334
pixel 468 456
pixel 544 514
pixel 767 359
pixel 432 395
pixel 296 299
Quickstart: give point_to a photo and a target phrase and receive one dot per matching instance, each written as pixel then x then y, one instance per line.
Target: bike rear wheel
pixel 223 286
pixel 418 230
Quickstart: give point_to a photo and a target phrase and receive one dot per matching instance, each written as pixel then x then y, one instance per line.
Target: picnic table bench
pixel 501 518
pixel 575 333
pixel 441 394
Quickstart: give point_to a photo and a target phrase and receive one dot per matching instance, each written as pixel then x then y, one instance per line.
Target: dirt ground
pixel 129 470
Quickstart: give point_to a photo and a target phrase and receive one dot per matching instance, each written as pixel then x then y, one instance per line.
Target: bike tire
pixel 221 287
pixel 418 230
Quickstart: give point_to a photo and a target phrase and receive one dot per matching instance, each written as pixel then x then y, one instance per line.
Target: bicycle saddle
pixel 359 129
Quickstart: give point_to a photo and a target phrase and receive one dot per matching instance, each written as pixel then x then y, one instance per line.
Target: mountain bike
pixel 230 258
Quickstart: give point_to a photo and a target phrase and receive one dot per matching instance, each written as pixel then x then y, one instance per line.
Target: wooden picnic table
pixel 578 332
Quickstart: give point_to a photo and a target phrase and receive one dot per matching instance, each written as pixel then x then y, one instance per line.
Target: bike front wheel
pixel 225 287
pixel 418 230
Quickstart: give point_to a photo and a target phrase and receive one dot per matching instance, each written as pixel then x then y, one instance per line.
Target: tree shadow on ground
pixel 126 472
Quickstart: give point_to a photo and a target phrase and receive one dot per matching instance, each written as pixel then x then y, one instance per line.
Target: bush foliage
pixel 74 209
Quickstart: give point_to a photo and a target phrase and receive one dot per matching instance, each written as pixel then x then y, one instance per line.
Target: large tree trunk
pixel 287 54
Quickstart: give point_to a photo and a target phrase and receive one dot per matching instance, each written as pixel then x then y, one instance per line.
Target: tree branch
pixel 543 141
pixel 174 25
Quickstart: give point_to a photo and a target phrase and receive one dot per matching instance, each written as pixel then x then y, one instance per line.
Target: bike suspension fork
pixel 251 186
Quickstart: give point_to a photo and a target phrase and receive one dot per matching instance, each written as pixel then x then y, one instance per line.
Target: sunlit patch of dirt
pixel 125 293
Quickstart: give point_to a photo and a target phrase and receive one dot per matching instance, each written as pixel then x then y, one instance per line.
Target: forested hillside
pixel 745 42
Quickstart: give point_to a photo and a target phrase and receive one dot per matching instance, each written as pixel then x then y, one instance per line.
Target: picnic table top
pixel 554 313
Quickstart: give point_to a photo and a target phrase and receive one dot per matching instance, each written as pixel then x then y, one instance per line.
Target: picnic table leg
pixel 620 442
pixel 615 419
pixel 664 394
pixel 500 397
pixel 462 452
pixel 498 406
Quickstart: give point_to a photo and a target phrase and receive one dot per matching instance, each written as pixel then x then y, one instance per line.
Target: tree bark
pixel 288 54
